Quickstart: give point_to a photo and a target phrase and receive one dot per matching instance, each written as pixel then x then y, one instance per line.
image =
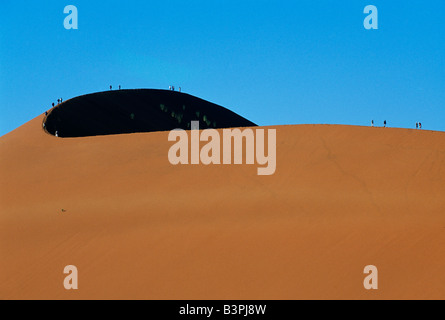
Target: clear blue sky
pixel 274 62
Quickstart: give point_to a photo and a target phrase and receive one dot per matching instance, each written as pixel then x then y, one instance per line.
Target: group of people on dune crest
pixel 172 88
pixel 418 124
pixel 372 123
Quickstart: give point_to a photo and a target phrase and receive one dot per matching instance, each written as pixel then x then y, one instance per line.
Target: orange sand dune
pixel 137 227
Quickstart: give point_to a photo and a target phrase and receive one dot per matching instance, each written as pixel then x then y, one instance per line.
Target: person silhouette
pixel 372 123
pixel 111 87
pixel 420 125
pixel 417 125
pixel 384 123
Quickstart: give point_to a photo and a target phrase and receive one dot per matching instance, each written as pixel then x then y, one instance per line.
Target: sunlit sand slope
pixel 135 226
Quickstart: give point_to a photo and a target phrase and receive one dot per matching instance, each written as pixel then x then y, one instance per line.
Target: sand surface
pixel 137 227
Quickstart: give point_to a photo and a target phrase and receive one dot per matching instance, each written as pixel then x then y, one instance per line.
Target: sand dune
pixel 137 227
pixel 136 110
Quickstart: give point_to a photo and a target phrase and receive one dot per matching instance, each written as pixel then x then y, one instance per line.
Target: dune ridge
pixel 136 110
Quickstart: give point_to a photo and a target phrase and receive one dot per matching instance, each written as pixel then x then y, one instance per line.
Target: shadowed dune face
pixel 138 110
pixel 137 227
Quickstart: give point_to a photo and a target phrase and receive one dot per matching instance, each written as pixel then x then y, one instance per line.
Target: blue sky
pixel 274 62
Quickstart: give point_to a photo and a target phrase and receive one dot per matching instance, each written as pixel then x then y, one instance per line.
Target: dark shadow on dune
pixel 137 110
